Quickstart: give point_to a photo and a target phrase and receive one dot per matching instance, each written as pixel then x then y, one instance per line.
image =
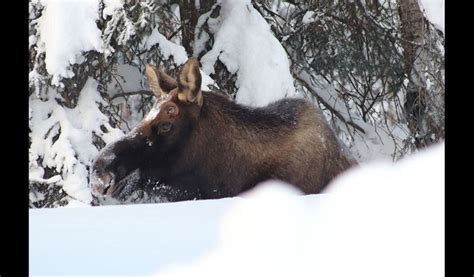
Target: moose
pixel 205 145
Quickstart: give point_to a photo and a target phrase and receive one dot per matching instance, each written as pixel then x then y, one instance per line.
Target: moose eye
pixel 170 110
pixel 165 127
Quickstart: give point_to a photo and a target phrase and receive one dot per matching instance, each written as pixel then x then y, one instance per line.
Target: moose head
pixel 158 135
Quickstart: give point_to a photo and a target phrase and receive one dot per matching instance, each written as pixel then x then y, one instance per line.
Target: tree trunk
pixel 412 22
pixel 189 16
pixel 412 29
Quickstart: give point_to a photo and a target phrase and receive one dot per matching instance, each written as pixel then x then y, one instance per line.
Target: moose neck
pixel 239 127
pixel 228 135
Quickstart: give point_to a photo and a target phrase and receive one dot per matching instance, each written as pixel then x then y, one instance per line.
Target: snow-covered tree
pixel 382 90
pixel 356 60
pixel 86 84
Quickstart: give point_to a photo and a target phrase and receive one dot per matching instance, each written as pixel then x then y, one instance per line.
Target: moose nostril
pixel 99 190
pixel 104 190
pixel 107 179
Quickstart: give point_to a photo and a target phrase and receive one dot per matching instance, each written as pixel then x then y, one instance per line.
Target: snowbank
pixel 376 220
pixel 379 220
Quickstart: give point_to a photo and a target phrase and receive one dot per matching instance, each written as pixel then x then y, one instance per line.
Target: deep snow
pixel 376 220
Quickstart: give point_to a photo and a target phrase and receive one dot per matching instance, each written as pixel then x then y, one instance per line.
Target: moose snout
pixel 101 182
pixel 101 177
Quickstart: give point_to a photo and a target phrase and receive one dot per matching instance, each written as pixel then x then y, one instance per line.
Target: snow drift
pixel 376 220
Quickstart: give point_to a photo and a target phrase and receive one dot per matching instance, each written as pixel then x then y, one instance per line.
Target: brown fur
pixel 217 148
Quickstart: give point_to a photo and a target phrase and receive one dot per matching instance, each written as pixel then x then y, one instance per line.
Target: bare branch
pixel 328 106
pixel 145 92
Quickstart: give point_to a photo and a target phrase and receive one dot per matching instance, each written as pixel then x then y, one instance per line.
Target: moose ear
pixel 160 82
pixel 189 83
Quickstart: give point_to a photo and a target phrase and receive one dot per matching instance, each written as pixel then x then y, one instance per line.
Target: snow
pixel 378 219
pixel 245 44
pixel 31 40
pixel 167 48
pixel 308 17
pixel 110 6
pixel 130 81
pixel 374 144
pixel 103 240
pixel 74 31
pixel 285 9
pixel 75 204
pixel 36 196
pixel 153 113
pixel 206 81
pixel 434 10
pixel 72 150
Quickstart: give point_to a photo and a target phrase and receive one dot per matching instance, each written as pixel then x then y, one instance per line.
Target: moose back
pixel 203 145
